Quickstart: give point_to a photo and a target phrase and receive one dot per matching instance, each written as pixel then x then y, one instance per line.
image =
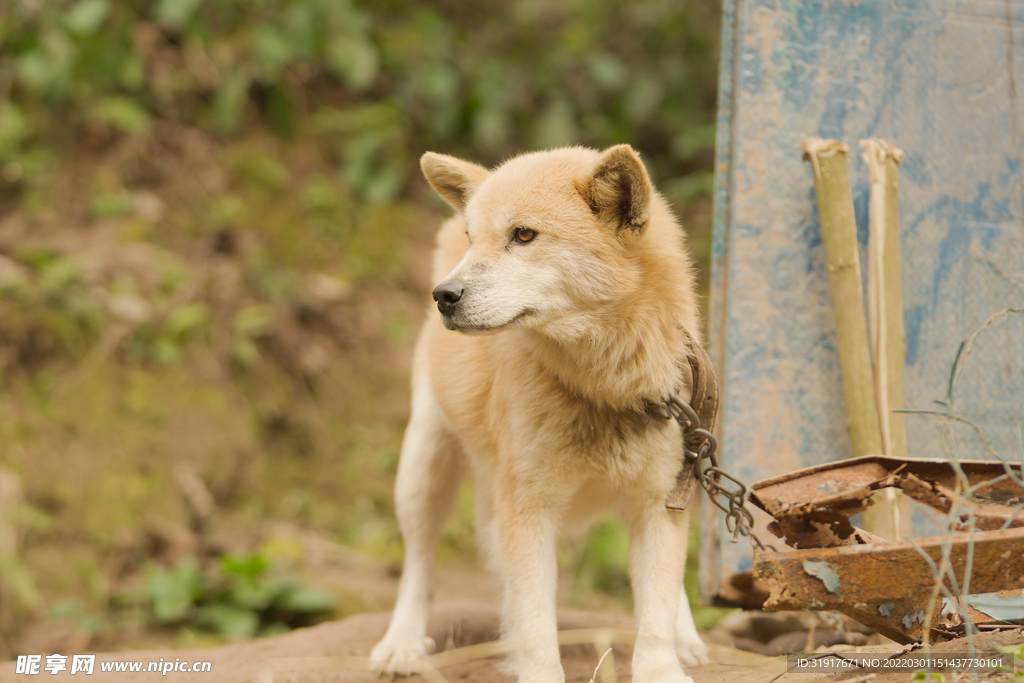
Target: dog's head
pixel 550 236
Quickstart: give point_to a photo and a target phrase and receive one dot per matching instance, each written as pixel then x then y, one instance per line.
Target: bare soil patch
pixel 300 656
pixel 458 623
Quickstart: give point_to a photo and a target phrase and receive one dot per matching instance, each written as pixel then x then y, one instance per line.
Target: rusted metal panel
pixel 847 478
pixel 812 506
pixel 888 586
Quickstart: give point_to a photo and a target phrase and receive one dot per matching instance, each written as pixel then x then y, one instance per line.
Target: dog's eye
pixel 524 235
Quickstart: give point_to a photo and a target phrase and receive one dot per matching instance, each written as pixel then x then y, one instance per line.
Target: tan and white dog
pixel 567 307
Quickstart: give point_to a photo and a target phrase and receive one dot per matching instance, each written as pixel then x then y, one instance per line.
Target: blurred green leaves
pixel 175 13
pixel 239 597
pixel 376 82
pixel 121 113
pixel 172 592
pixel 86 17
pixel 218 189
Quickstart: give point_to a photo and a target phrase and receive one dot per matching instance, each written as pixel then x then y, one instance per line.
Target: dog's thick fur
pixel 567 305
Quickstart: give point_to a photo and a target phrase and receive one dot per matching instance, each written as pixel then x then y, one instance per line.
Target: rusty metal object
pixel 888 586
pixel 812 506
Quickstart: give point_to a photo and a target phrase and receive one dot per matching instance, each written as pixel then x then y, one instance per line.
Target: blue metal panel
pixel 944 81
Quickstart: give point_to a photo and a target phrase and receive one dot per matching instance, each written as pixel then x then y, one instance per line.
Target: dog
pixel 567 308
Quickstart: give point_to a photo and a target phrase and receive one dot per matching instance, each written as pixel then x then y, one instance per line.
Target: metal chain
pixel 738 518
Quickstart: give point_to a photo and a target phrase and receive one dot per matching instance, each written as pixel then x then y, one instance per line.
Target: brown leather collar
pixel 704 401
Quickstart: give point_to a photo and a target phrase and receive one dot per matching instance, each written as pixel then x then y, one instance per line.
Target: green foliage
pixel 1017 665
pixel 376 82
pixel 205 253
pixel 45 308
pixel 239 597
pixel 18 584
pixel 73 611
pixel 604 562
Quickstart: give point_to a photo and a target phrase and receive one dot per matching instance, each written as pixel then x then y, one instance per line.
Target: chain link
pixel 732 501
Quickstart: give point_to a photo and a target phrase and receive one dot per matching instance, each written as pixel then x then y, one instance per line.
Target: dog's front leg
pixel 657 555
pixel 527 533
pixel 428 478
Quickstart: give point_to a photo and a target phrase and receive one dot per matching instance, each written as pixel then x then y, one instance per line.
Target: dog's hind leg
pixel 429 473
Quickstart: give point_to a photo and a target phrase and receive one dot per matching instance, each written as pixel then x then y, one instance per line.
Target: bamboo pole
pixel 839 235
pixel 896 339
pixel 890 516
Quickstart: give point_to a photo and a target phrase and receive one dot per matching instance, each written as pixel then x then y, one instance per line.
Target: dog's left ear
pixel 619 191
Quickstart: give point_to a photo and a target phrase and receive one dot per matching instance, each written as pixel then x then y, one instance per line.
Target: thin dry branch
pixel 945 579
pixel 604 675
pixel 429 667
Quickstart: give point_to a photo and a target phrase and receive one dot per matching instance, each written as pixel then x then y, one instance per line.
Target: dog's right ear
pixel 454 179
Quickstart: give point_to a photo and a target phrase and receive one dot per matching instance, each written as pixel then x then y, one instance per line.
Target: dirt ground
pixel 466 614
pixel 356 635
pixel 336 652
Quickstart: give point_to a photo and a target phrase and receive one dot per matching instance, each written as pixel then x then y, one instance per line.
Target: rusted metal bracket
pixel 885 585
pixel 888 586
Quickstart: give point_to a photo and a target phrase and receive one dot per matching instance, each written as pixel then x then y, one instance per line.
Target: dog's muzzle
pixel 447 295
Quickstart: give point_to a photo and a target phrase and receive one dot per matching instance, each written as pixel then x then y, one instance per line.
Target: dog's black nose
pixel 447 294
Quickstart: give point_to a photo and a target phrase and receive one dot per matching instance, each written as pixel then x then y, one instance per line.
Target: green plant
pixel 377 82
pixel 210 215
pixel 239 597
pixel 1017 664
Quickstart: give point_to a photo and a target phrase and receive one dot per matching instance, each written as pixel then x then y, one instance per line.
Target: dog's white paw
pixel 692 653
pixel 658 665
pixel 662 677
pixel 399 656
